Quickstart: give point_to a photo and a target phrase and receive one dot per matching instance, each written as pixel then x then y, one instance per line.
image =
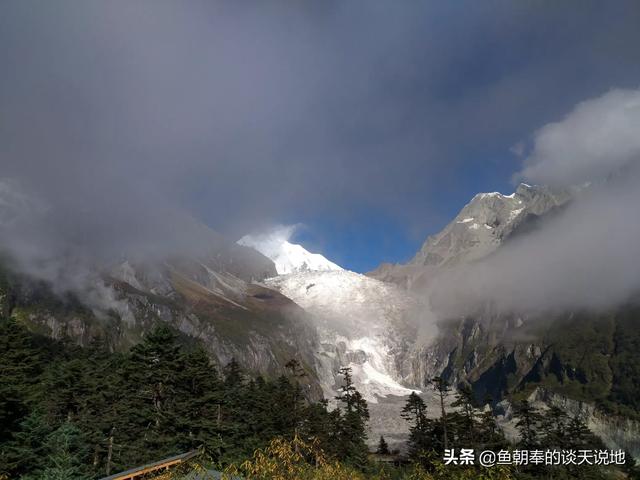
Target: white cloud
pixel 598 137
pixel 518 149
pixel 270 242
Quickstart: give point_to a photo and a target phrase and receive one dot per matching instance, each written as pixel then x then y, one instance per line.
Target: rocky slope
pixel 477 231
pixel 232 317
pixel 480 228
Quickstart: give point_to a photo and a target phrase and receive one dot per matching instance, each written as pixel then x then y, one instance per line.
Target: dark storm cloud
pixel 128 118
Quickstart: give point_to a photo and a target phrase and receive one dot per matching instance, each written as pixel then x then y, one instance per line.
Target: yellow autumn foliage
pixel 298 460
pixel 289 460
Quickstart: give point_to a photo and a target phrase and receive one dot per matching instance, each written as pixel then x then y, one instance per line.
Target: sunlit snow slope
pixel 287 256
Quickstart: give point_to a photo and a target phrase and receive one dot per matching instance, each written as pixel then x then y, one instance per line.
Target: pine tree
pixel 554 428
pixel 489 435
pixel 233 375
pixel 352 434
pixel 420 429
pixel 67 455
pixel 297 404
pixel 151 381
pixel 579 436
pixel 466 427
pixel 319 425
pixel 528 421
pixel 25 453
pixel 442 388
pixel 350 397
pixel 235 423
pixel 198 389
pixel 65 384
pixel 98 416
pixel 383 447
pixel 285 422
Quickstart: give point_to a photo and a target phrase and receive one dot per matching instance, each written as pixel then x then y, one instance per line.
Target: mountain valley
pixel 381 325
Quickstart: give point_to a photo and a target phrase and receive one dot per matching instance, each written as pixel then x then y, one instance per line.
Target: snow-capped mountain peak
pixel 292 258
pixel 288 257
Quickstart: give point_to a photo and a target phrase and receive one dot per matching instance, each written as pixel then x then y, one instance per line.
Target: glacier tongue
pixel 357 318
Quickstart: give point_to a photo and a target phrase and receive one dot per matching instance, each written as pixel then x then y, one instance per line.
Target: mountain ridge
pixel 474 233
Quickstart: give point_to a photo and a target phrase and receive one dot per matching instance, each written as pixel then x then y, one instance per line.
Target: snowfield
pixel 288 257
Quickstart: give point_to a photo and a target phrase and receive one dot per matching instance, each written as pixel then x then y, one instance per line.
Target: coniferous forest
pixel 79 413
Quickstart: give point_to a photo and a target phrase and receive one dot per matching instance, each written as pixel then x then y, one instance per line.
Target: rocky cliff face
pixel 618 433
pixel 233 317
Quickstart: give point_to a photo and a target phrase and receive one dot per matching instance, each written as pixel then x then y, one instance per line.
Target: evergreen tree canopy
pixel 383 447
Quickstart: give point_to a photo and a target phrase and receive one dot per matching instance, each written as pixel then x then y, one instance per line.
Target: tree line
pixel 82 413
pixel 71 412
pixel 470 427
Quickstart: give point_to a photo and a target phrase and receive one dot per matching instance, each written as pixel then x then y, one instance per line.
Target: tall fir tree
pixel 490 437
pixel 528 420
pixel 420 427
pixel 296 373
pixel 198 392
pixel 26 451
pixel 151 376
pixel 442 388
pixel 352 429
pixel 553 426
pixel 67 455
pixel 383 447
pixel 465 426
